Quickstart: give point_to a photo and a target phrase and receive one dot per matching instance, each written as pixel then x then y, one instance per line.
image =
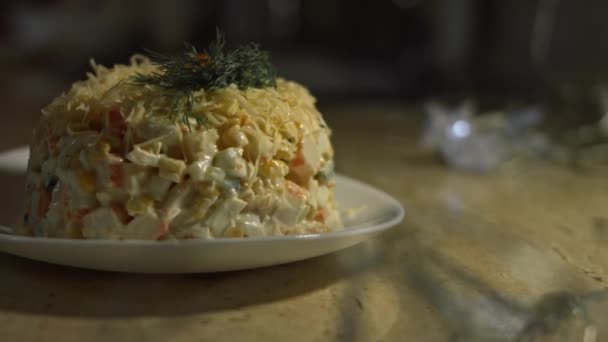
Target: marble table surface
pixel 519 255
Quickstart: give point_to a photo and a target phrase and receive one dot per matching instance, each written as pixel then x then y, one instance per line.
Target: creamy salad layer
pixel 110 160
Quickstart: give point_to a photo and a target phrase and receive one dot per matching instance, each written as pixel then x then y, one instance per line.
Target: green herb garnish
pixel 181 75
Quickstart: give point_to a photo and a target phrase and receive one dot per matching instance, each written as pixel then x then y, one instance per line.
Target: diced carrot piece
pixel 116 176
pixel 298 160
pixel 164 231
pixel 296 190
pixel 44 202
pixel 116 122
pixel 121 213
pixel 75 215
pixel 320 215
pixel 164 228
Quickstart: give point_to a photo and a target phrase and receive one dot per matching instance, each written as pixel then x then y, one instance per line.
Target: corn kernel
pixel 104 147
pixel 86 181
pixel 139 205
pixel 274 169
pixel 233 232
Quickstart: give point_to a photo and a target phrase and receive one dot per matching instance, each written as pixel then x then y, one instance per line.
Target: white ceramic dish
pixel 378 212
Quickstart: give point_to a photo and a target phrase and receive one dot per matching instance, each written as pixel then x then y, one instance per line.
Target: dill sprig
pixel 247 66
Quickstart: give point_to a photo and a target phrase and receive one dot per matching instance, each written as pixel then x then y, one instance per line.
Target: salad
pixel 117 158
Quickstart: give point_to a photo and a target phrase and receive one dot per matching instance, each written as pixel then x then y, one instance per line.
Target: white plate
pixel 378 212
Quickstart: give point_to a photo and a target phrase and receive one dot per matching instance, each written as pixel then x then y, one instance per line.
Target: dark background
pixel 402 50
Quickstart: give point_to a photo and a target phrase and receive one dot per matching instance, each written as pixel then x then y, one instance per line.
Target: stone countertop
pixel 494 257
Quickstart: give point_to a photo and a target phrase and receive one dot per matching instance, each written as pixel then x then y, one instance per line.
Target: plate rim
pixel 346 232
